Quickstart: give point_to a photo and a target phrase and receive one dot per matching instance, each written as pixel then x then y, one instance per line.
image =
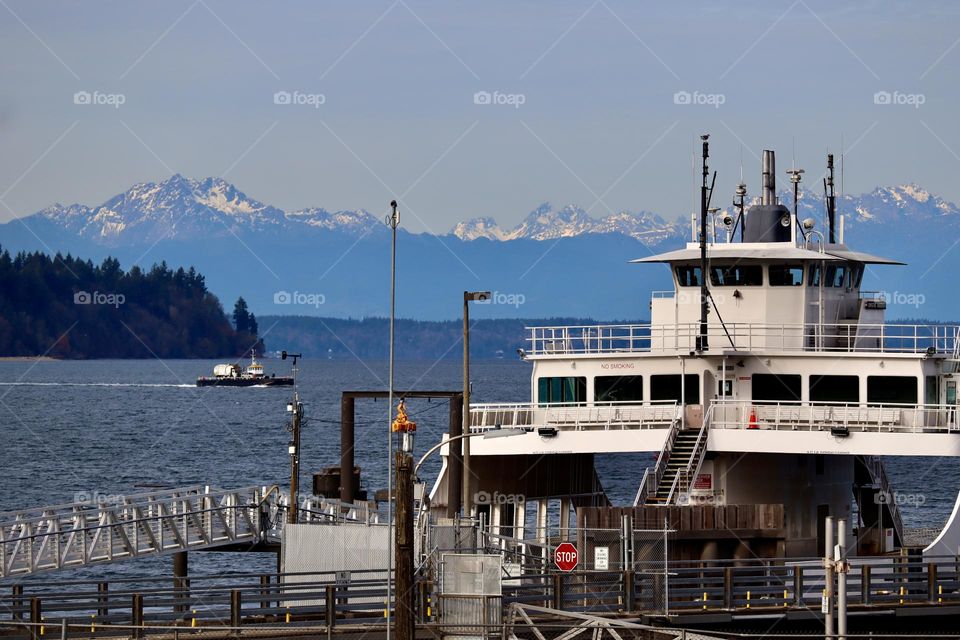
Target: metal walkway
pixel 113 528
pixel 92 532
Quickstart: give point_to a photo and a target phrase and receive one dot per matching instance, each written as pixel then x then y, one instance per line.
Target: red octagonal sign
pixel 566 557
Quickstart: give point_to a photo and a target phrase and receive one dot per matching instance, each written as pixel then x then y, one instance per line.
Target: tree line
pixel 67 307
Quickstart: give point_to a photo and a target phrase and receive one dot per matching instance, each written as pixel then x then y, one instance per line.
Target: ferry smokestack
pixel 769 193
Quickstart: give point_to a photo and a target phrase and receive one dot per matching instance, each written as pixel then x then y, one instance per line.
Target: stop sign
pixel 566 557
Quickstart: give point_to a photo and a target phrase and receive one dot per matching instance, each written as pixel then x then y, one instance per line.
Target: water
pixel 114 427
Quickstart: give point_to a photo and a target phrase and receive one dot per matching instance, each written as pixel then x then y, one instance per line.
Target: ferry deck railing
pixel 682 337
pixel 574 416
pixel 822 416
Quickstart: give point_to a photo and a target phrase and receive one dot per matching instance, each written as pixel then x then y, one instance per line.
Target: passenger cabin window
pixel 768 387
pixel 786 275
pixel 618 389
pixel 891 390
pixel 736 275
pixel 667 388
pixel 688 276
pixel 561 389
pixel 836 389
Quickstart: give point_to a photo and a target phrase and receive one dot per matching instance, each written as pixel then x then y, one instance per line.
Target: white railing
pixel 574 416
pixel 821 416
pixel 684 478
pixel 644 338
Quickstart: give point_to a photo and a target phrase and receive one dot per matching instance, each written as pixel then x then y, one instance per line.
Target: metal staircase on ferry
pixel 677 465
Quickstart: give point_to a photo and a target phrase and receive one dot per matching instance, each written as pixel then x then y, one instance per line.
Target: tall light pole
pixel 393 221
pixel 468 296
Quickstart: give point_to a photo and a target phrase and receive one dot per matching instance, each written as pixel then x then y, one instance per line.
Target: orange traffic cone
pixel 753 419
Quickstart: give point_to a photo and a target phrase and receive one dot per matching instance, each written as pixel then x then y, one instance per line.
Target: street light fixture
pixel 468 296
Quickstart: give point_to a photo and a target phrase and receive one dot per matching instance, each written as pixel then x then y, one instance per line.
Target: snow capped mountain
pixel 543 223
pixel 356 222
pixel 183 209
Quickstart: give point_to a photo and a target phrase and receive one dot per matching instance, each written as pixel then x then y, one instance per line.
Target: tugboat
pixel 233 375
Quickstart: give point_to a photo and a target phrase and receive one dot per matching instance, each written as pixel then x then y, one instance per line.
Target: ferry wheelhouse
pixel 767 379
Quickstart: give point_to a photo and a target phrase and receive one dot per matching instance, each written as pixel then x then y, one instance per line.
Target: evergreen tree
pixel 241 316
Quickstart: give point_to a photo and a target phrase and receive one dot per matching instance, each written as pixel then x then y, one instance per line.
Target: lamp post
pixel 393 221
pixel 468 296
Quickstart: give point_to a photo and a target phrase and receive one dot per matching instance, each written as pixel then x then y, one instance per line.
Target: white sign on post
pixel 601 558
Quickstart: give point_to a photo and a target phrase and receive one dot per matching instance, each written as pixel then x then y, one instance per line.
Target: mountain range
pixel 556 261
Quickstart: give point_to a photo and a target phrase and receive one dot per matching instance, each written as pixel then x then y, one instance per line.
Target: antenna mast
pixel 702 341
pixel 831 196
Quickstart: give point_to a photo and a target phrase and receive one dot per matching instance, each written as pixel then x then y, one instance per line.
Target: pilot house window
pixel 688 276
pixel 786 275
pixel 737 275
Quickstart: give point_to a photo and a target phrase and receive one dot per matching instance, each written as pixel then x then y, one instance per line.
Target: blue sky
pixel 588 112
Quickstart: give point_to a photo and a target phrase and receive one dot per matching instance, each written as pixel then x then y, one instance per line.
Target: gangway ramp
pixel 126 527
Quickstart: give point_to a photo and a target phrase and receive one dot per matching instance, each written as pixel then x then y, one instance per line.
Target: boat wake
pixel 95 384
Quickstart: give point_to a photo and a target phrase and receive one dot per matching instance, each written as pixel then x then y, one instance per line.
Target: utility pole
pixel 827 607
pixel 841 568
pixel 296 409
pixel 468 296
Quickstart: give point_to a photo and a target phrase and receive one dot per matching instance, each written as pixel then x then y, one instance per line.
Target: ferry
pixel 767 390
pixel 233 375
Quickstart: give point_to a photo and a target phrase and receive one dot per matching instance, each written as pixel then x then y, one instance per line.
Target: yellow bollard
pixel 93 626
pixel 748 599
pixel 43 629
pixel 901 595
pixel 785 598
pixel 193 620
pixel 704 600
pixel 288 615
pixel 940 592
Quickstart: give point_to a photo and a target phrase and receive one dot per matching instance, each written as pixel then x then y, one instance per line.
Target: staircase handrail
pixel 696 457
pixel 650 482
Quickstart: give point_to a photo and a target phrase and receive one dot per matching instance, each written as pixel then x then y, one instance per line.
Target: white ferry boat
pixel 767 383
